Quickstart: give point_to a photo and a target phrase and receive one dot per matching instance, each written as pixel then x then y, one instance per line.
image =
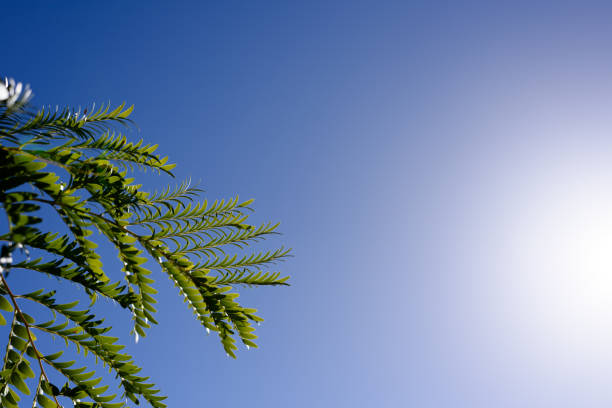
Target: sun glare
pixel 562 247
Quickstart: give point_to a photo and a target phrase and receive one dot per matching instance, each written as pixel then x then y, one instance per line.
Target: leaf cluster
pixel 81 167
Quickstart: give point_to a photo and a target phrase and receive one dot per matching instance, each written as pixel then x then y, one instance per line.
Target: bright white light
pixel 561 248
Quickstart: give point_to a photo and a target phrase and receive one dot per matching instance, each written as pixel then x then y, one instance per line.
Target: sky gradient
pixel 443 171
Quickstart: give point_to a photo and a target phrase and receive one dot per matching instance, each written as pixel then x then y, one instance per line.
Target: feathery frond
pixel 78 165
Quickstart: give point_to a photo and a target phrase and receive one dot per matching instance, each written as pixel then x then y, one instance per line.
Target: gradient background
pixel 443 171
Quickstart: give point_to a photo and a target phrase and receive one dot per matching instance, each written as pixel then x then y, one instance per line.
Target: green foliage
pixel 79 166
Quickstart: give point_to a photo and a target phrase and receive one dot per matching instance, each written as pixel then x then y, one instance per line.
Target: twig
pixel 28 330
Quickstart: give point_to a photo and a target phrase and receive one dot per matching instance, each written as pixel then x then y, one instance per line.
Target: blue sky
pixel 442 170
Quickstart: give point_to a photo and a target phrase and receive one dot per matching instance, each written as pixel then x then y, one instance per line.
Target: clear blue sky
pixel 443 171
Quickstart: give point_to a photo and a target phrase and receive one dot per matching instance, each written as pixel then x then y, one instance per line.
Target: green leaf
pixel 5 304
pixel 25 318
pixel 24 368
pixel 46 402
pixel 21 331
pixel 18 382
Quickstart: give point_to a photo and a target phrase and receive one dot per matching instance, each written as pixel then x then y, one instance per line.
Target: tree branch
pixel 30 337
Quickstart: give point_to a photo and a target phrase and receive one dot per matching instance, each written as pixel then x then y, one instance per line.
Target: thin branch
pixel 39 357
pixel 40 377
pixel 8 343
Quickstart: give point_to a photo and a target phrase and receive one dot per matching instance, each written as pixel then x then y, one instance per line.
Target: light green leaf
pixel 5 304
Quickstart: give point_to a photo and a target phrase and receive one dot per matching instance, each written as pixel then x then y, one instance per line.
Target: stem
pixel 9 341
pixel 40 377
pixel 30 338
